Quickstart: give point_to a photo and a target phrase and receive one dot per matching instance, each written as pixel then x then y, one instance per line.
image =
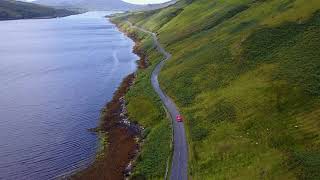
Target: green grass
pixel 246 76
pixel 144 107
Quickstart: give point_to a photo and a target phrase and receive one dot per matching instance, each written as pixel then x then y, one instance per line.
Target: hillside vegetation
pixel 10 9
pixel 144 107
pixel 246 76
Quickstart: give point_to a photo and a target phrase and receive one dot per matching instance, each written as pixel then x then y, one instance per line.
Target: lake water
pixel 55 76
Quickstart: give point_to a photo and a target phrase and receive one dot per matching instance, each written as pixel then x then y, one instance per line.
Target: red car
pixel 179 118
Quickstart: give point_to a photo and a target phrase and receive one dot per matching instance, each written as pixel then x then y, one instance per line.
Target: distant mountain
pixel 100 4
pixel 90 4
pixel 10 9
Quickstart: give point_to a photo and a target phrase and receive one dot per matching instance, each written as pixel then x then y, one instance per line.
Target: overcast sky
pixel 138 1
pixel 145 1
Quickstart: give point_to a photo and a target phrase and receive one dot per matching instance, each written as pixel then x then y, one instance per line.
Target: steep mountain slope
pixel 90 4
pixel 149 7
pixel 246 75
pixel 10 9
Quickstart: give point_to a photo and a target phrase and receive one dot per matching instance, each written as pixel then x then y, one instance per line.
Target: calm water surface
pixel 55 76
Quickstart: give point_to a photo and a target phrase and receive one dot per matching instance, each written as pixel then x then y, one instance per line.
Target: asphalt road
pixel 179 168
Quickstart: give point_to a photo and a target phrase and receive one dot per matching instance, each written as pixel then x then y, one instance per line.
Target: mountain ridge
pixel 89 5
pixel 101 4
pixel 10 10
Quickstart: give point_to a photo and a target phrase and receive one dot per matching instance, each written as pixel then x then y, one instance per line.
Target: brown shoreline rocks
pixel 124 137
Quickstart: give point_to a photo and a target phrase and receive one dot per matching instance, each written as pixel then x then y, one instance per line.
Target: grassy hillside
pixel 10 9
pixel 144 107
pixel 246 75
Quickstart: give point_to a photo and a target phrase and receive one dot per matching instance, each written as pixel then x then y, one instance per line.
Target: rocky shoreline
pixel 124 137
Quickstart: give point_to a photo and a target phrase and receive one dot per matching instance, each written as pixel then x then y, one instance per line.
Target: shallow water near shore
pixel 55 76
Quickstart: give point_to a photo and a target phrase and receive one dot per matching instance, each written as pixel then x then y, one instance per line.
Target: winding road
pixel 179 167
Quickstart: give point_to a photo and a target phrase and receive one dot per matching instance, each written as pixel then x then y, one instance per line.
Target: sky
pixel 145 1
pixel 137 1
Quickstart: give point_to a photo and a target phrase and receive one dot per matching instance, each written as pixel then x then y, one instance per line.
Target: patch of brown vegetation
pixel 122 147
pixel 143 62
